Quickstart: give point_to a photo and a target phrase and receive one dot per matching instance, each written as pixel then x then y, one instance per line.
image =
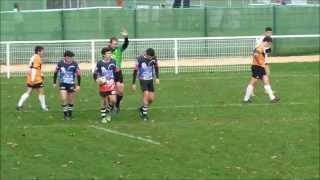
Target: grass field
pixel 204 131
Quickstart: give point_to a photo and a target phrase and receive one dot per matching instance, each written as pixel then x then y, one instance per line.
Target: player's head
pixel 39 50
pixel 268 31
pixel 106 53
pixel 113 42
pixel 68 56
pixel 16 6
pixel 150 53
pixel 267 41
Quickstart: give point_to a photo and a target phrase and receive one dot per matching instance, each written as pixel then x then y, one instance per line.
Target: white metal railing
pixel 176 55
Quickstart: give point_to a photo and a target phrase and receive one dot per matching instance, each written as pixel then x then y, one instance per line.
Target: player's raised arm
pixel 126 40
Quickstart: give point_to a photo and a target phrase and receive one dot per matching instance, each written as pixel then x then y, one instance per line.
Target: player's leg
pixel 70 99
pixel 268 89
pixel 23 98
pixel 64 103
pixel 120 91
pixel 42 98
pixel 254 88
pixel 145 105
pixel 112 99
pixel 151 92
pixel 103 104
pixel 249 89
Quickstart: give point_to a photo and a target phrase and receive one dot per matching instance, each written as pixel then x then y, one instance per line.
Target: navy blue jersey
pixel 145 67
pixel 67 71
pixel 108 71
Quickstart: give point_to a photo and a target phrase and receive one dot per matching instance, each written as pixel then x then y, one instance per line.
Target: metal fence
pixel 211 54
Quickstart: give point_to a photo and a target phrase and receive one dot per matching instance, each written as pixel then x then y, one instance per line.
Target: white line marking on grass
pixel 125 135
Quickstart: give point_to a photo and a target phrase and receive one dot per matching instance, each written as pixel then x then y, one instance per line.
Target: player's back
pixel 35 70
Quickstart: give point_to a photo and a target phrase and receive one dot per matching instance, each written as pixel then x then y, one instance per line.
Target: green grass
pixel 204 130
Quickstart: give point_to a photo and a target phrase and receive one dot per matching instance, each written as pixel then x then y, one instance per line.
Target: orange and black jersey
pixel 34 75
pixel 259 57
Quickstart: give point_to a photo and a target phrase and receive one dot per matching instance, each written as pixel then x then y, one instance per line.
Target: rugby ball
pixel 101 80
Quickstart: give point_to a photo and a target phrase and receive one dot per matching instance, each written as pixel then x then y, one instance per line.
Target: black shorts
pixel 257 71
pixel 147 85
pixel 70 88
pixel 35 86
pixel 109 93
pixel 120 77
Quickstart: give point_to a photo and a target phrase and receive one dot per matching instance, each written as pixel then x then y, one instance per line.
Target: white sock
pixel 249 92
pixel 42 101
pixel 23 98
pixel 268 89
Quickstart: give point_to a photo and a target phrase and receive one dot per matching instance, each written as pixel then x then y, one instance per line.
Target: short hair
pixel 16 5
pixel 267 39
pixel 268 29
pixel 113 39
pixel 150 52
pixel 68 54
pixel 38 49
pixel 105 49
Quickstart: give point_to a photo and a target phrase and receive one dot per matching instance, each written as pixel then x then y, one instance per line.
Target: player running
pixel 34 80
pixel 146 66
pixel 267 51
pixel 117 56
pixel 106 74
pixel 259 71
pixel 68 71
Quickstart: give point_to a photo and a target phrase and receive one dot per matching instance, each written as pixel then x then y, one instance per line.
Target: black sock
pixel 103 112
pixel 119 98
pixel 70 109
pixel 65 110
pixel 144 110
pixel 108 108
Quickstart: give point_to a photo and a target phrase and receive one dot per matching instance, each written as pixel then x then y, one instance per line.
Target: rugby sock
pixel 144 110
pixel 119 98
pixel 268 89
pixel 70 109
pixel 42 101
pixel 108 108
pixel 249 91
pixel 65 110
pixel 23 98
pixel 103 112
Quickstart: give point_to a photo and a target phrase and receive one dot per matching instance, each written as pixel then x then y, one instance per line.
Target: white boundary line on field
pixel 98 128
pixel 125 135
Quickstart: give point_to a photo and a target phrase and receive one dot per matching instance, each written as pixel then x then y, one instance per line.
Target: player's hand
pixel 124 33
pixel 157 81
pixel 77 88
pixel 133 88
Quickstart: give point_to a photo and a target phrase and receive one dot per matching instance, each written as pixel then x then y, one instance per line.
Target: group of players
pixel 107 74
pixel 109 77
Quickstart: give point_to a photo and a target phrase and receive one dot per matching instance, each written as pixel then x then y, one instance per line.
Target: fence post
pixel 8 59
pixel 176 70
pixel 92 56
